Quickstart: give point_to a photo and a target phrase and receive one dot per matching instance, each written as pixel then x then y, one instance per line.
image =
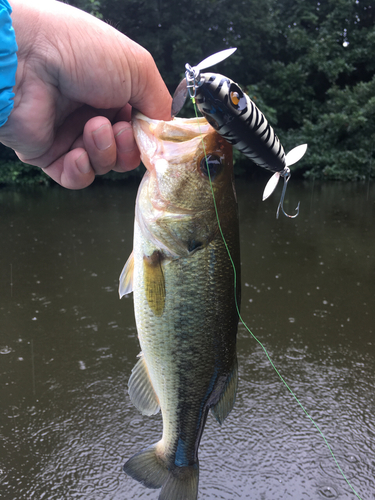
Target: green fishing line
pixel 251 333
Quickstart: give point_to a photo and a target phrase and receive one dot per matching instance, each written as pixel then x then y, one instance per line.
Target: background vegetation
pixel 309 65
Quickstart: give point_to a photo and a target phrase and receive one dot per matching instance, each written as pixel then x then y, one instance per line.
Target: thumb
pixel 149 94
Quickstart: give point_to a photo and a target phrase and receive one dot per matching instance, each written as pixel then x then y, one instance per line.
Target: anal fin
pixel 147 468
pixel 150 467
pixel 141 391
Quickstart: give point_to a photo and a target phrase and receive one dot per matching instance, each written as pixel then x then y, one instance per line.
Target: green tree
pixel 311 63
pixel 342 140
pixel 190 30
pixel 308 64
pixel 322 84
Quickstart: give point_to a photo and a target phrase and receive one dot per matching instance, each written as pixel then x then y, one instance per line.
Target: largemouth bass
pixel 184 295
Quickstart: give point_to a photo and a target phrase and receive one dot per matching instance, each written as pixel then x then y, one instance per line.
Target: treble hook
pixel 292 157
pixel 286 175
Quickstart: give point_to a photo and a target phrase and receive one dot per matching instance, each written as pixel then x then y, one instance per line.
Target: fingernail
pixel 125 142
pixel 103 137
pixel 83 163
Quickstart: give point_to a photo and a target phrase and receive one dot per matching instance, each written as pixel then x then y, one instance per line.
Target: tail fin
pixel 177 483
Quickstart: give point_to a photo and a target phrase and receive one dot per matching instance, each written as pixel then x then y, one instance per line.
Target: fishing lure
pixel 235 116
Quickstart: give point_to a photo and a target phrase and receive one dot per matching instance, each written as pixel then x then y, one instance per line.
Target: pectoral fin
pixel 154 282
pixel 126 277
pixel 141 391
pixel 226 402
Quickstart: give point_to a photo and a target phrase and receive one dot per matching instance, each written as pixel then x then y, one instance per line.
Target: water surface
pixel 68 344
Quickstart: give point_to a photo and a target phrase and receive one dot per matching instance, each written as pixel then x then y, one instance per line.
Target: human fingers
pixel 72 170
pixel 77 168
pixel 128 157
pixel 149 94
pixel 110 147
pixel 99 142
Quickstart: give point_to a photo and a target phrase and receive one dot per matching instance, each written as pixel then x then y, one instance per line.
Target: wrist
pixel 8 62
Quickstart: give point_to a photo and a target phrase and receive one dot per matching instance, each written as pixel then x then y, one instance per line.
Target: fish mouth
pixel 158 141
pixel 176 154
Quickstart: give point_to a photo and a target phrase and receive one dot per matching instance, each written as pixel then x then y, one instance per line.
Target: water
pixel 67 346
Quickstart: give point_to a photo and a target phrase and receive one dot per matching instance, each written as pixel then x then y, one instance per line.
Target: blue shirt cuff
pixel 8 61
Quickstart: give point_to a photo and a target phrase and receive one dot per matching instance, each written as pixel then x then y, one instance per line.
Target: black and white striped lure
pixel 235 116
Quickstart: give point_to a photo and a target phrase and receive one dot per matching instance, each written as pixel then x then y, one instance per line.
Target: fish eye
pixel 237 97
pixel 211 163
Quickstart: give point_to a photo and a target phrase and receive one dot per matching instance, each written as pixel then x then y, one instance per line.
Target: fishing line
pixel 248 329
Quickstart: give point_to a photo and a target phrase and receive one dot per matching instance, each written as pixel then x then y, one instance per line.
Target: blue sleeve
pixel 8 61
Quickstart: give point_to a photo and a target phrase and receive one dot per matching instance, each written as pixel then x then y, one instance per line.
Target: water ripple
pixel 327 492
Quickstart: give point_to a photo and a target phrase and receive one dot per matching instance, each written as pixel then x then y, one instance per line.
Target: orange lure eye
pixel 235 98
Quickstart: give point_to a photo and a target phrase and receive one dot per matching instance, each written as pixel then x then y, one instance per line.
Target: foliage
pixel 310 65
pixel 17 173
pixel 342 140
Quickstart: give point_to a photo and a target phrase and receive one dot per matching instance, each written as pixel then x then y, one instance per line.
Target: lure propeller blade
pixel 291 158
pixel 271 185
pixel 215 58
pixel 295 154
pixel 181 92
pixel 179 97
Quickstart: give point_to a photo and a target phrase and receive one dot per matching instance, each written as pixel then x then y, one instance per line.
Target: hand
pixel 76 81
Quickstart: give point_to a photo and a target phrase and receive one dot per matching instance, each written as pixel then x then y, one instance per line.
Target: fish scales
pixel 184 297
pixel 177 339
